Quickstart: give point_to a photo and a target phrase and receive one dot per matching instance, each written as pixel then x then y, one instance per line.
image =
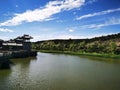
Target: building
pixel 1 41
pixel 19 43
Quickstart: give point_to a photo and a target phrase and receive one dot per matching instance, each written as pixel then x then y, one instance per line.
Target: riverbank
pixel 113 56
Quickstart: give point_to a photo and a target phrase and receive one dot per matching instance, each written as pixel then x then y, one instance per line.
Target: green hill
pixel 102 45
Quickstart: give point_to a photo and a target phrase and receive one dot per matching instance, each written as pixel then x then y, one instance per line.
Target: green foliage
pixel 104 45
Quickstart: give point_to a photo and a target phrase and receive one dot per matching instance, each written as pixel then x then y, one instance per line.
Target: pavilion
pixel 19 43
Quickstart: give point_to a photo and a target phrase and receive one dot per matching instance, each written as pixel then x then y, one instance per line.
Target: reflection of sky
pixel 48 19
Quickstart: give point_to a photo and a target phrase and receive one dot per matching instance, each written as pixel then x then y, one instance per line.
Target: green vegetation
pixel 105 46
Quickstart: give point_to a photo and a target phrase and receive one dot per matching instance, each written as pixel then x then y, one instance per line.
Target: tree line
pixel 105 45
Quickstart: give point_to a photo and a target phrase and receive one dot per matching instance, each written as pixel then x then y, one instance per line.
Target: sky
pixel 59 19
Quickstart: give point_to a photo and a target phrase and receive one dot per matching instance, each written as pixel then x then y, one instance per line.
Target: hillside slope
pixel 104 45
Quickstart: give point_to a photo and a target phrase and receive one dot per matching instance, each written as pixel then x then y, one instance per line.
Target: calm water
pixel 61 72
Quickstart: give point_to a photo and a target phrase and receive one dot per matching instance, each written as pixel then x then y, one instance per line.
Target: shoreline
pixel 111 56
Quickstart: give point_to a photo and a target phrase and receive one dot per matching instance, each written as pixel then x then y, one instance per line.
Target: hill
pixel 103 45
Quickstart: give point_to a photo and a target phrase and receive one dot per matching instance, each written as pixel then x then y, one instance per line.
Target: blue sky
pixel 59 19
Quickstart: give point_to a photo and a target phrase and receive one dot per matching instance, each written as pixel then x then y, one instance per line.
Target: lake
pixel 61 72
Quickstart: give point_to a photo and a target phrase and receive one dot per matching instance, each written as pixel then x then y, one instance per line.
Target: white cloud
pixel 5 30
pixel 4 38
pixel 113 21
pixel 71 30
pixel 91 1
pixel 45 13
pixel 74 13
pixel 98 13
pixel 60 21
pixel 16 6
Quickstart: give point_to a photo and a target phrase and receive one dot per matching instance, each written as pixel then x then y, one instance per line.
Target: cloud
pixel 45 13
pixel 74 13
pixel 5 30
pixel 60 21
pixel 71 30
pixel 98 13
pixel 16 6
pixel 4 38
pixel 113 21
pixel 91 1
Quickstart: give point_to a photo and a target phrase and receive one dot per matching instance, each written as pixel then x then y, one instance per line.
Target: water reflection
pixel 4 75
pixel 102 59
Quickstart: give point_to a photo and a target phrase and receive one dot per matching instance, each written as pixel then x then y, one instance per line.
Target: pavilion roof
pixel 24 37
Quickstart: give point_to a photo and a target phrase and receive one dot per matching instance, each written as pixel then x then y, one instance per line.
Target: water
pixel 61 72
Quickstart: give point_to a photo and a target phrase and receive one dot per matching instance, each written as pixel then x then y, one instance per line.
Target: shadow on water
pixel 25 61
pixel 4 73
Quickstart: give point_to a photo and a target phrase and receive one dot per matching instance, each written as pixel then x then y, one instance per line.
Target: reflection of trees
pixel 21 66
pixel 23 62
pixel 101 59
pixel 4 73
